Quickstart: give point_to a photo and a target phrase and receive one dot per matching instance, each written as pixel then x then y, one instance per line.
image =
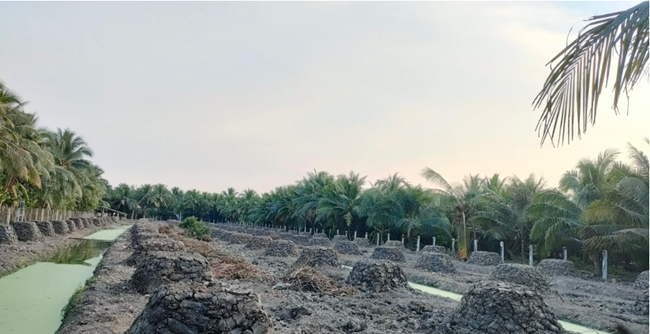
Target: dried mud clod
pixel 483 258
pixel 317 257
pixel 162 268
pixel 302 240
pixel 520 274
pixel 641 305
pixel 347 247
pixel 239 238
pixel 436 262
pixel 377 276
pixel 388 253
pixel 499 307
pixel 281 248
pixel 181 309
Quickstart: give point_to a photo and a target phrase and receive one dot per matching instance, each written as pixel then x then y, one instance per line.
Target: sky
pixel 211 95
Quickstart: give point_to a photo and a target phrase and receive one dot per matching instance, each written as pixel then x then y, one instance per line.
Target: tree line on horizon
pixel 601 204
pixel 41 168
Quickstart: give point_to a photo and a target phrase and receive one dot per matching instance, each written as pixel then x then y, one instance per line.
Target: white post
pixel 530 255
pixel 377 239
pixel 502 251
pixel 337 231
pixel 453 245
pixel 564 254
pixel 366 235
pixel 402 239
pixel 604 269
pixel 475 245
pixel 355 235
pixel 388 237
pixel 434 241
pixel 417 249
pixel 8 215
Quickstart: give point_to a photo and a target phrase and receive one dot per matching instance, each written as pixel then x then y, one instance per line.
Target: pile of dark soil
pixel 556 267
pixel 147 246
pixel 239 238
pixel 347 247
pixel 301 240
pixel 394 243
pixel 498 307
pixel 182 308
pixel 641 281
pixel 436 262
pixel 7 234
pixel 520 274
pixel 362 242
pixel 434 249
pixel 388 253
pixel 60 227
pixel 45 228
pixel 27 231
pixel 317 241
pixel 377 276
pixel 162 268
pixel 641 305
pixel 317 257
pixel 259 242
pixel 483 258
pixel 282 248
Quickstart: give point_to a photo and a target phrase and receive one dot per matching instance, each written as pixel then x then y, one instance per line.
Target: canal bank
pixel 33 297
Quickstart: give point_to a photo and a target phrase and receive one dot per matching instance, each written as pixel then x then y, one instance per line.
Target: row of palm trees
pixel 40 168
pixel 600 204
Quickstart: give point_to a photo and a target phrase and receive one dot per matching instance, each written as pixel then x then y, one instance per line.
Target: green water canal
pixel 32 298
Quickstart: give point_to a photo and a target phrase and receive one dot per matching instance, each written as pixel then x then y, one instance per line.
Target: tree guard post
pixel 366 235
pixel 388 237
pixel 502 251
pixel 402 239
pixel 530 255
pixel 434 241
pixel 377 239
pixel 417 249
pixel 475 245
pixel 604 269
pixel 453 245
pixel 355 235
pixel 564 254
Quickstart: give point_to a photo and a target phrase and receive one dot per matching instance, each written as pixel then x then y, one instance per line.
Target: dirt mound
pixel 184 309
pixel 60 227
pixel 483 258
pixel 641 305
pixel 520 274
pixel 394 243
pixel 301 240
pixel 233 267
pixel 87 223
pixel 436 262
pixel 274 235
pixel 239 238
pixel 308 279
pixel 153 245
pixel 7 234
pixel 498 307
pixel 259 242
pixel 282 248
pixel 320 235
pixel 45 228
pixel 434 249
pixel 641 281
pixel 362 242
pixel 556 267
pixel 340 238
pixel 71 226
pixel 317 257
pixel 324 242
pixel 77 223
pixel 27 231
pixel 377 276
pixel 388 253
pixel 347 247
pixel 162 268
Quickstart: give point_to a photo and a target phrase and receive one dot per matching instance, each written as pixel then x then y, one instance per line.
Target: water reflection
pixel 80 253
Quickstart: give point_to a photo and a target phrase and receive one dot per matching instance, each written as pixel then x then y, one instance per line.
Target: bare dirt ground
pixel 22 254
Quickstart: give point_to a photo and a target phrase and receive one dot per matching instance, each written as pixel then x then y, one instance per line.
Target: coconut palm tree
pixel 340 202
pixel 580 71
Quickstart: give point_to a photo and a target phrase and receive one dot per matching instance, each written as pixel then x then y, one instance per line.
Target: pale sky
pixel 255 95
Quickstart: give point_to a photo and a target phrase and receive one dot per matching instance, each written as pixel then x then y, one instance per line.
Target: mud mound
pixel 71 226
pixel 499 307
pixel 233 267
pixel 259 242
pixel 274 235
pixel 153 245
pixel 301 240
pixel 87 223
pixel 520 274
pixel 556 267
pixel 362 242
pixel 388 253
pixel 281 248
pixel 96 221
pixel 339 238
pixel 162 268
pixel 286 236
pixel 320 235
pixel 347 247
pixel 641 305
pixel 60 227
pixel 436 262
pixel 27 231
pixel 434 249
pixel 7 234
pixel 377 276
pixel 239 238
pixel 316 241
pixel 483 258
pixel 317 257
pixel 77 223
pixel 641 281
pixel 217 233
pixel 308 279
pixel 45 228
pixel 181 309
pixel 393 243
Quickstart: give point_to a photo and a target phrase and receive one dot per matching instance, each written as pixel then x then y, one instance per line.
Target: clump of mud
pixel 259 242
pixel 162 268
pixel 498 307
pixel 436 262
pixel 483 258
pixel 388 253
pixel 520 274
pixel 317 257
pixel 281 248
pixel 377 276
pixel 641 281
pixel 347 247
pixel 181 308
